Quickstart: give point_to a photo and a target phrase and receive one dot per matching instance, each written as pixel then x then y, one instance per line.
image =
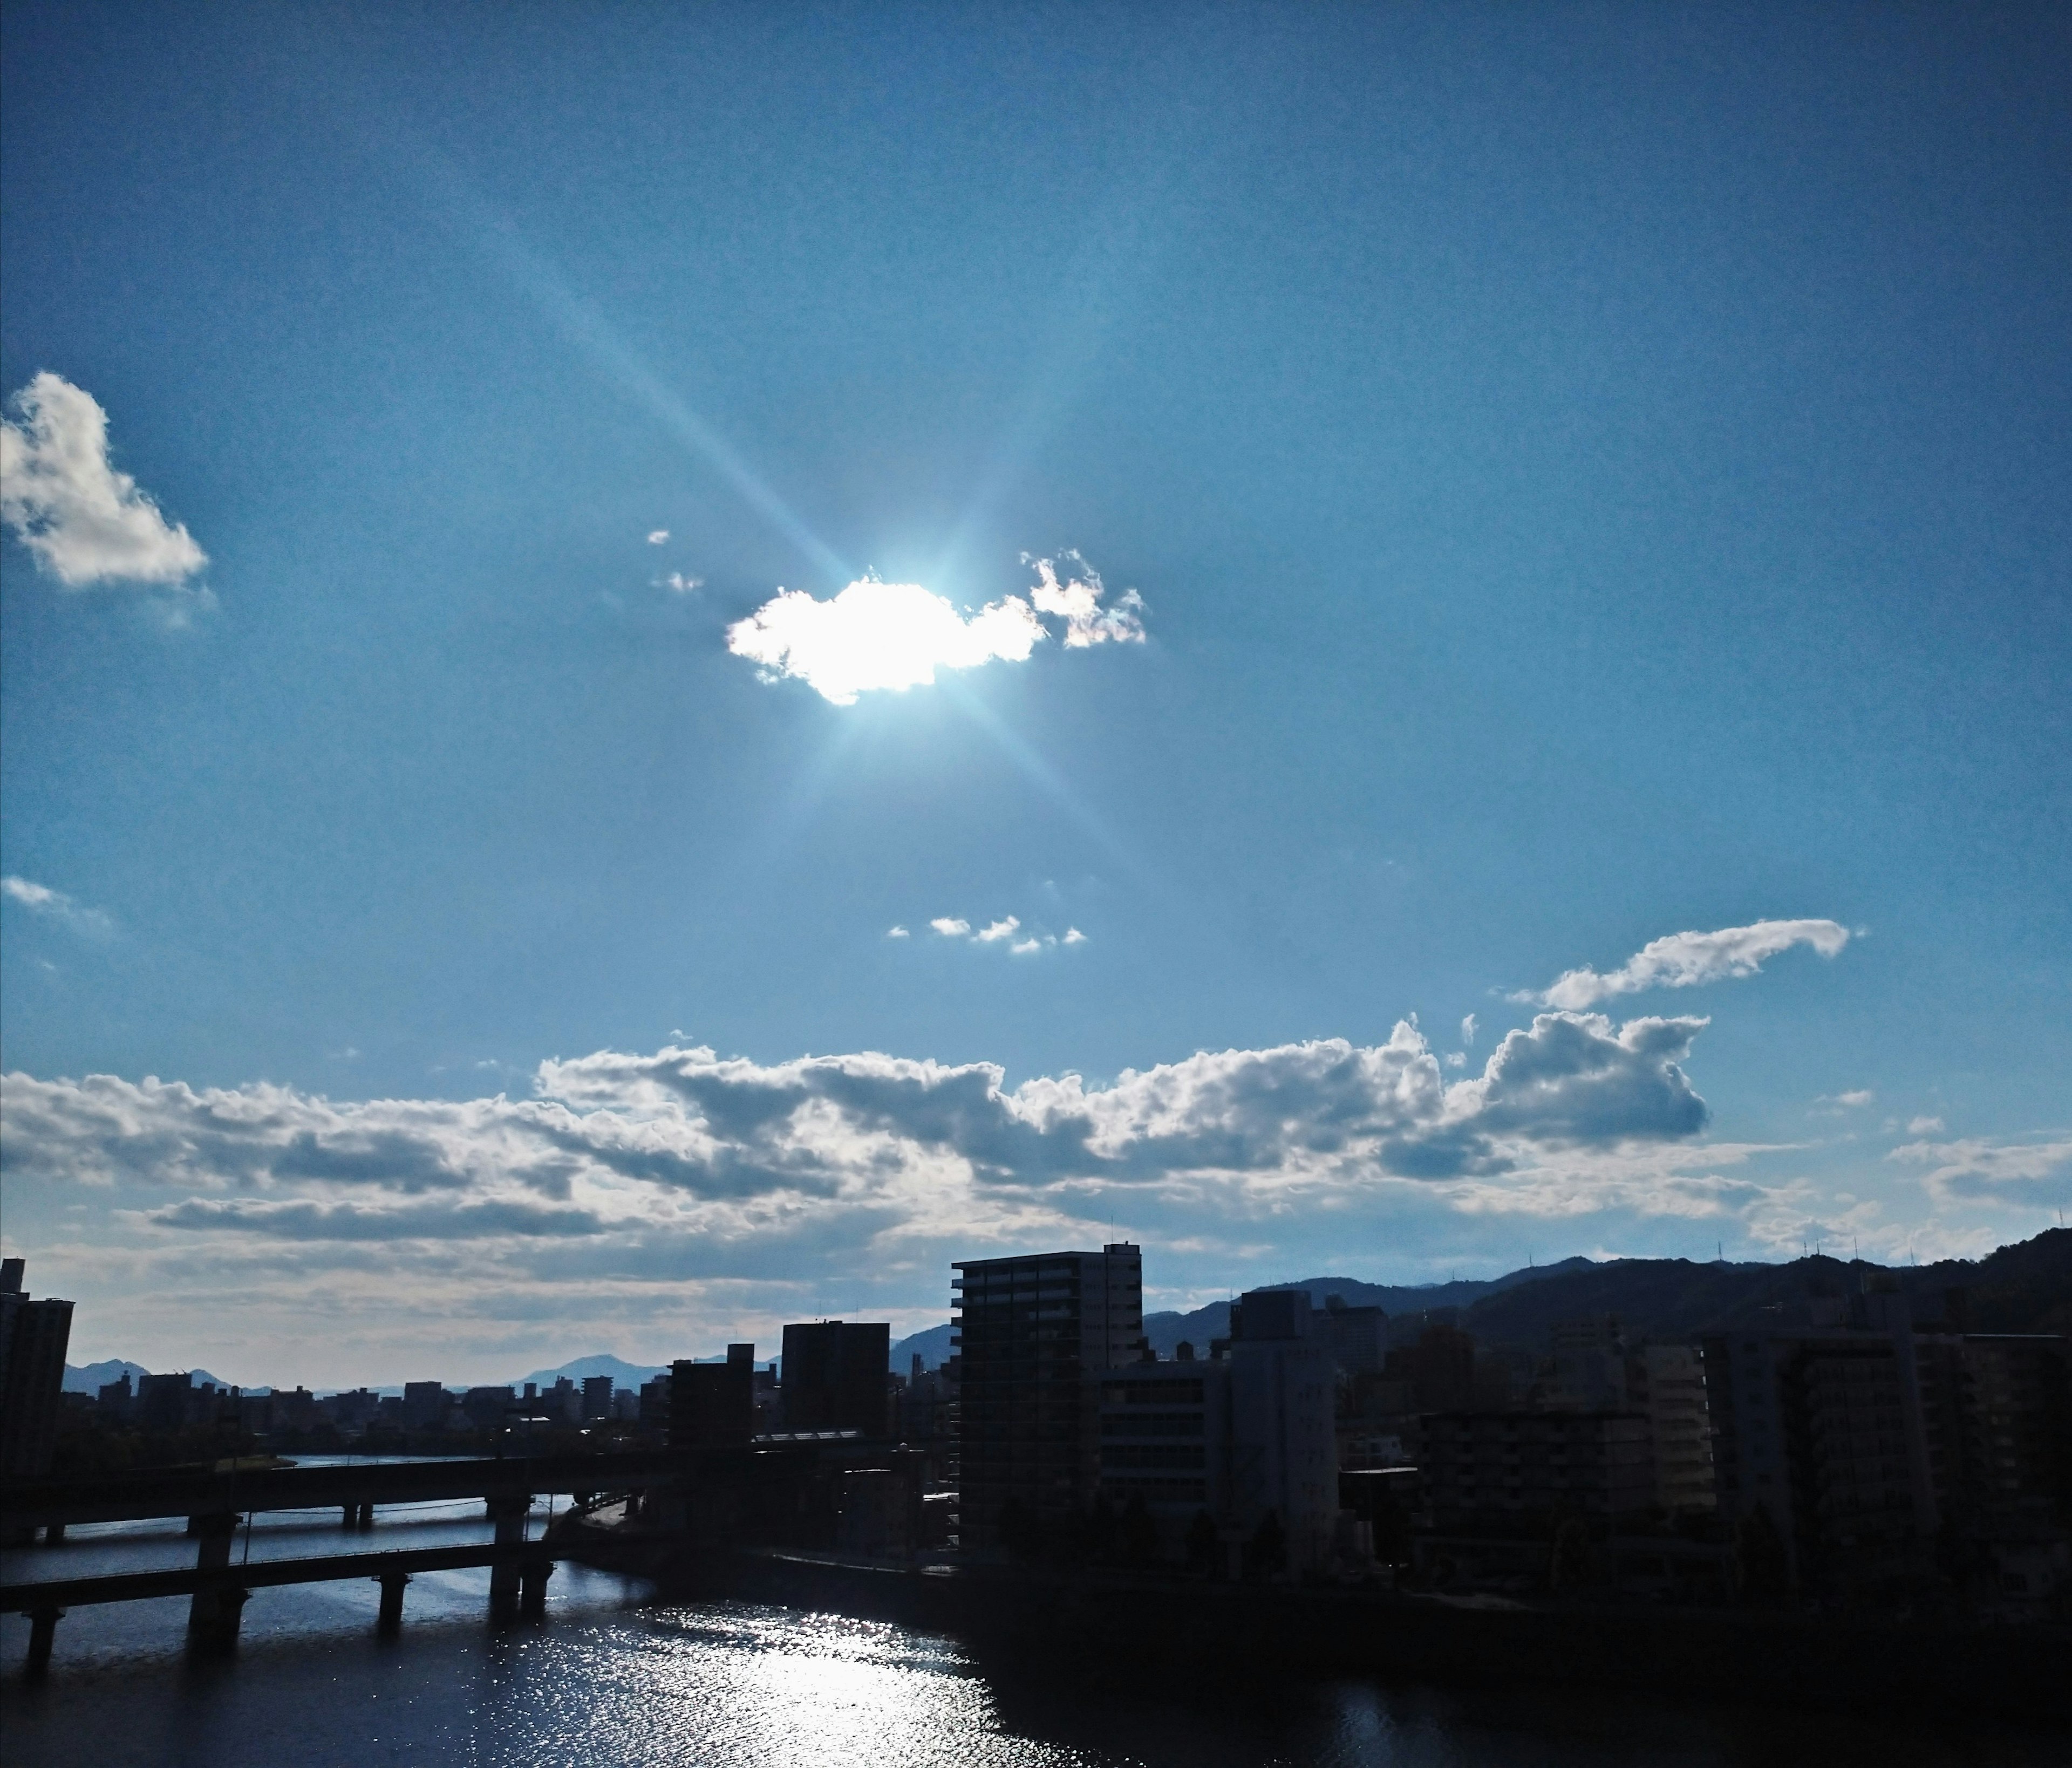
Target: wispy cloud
pixel 658 536
pixel 1847 1101
pixel 85 522
pixel 1469 1027
pixel 41 899
pixel 875 635
pixel 896 933
pixel 1977 1169
pixel 1924 1126
pixel 683 584
pixel 1684 960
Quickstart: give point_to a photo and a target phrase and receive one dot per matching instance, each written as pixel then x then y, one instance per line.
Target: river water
pixel 613 1678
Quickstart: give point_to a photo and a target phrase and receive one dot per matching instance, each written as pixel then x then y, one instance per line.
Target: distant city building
pixel 34 1338
pixel 1869 1447
pixel 596 1397
pixel 1355 1338
pixel 1284 1442
pixel 1229 1442
pixel 835 1376
pixel 115 1399
pixel 1667 1383
pixel 425 1404
pixel 1035 1333
pixel 163 1402
pixel 713 1404
pixel 487 1408
pixel 1509 1469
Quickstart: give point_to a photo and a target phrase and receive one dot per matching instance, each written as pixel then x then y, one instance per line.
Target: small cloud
pixel 1847 1101
pixel 1924 1126
pixel 896 933
pixel 1022 948
pixel 1002 929
pixel 1468 1030
pixel 54 905
pixel 950 927
pixel 1074 936
pixel 1682 960
pixel 894 636
pixel 1456 1059
pixel 656 536
pixel 350 1053
pixel 85 522
pixel 682 585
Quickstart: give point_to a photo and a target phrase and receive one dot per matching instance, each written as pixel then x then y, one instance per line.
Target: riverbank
pixel 1123 1628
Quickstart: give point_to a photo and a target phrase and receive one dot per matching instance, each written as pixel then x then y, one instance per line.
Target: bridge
pixel 215 1501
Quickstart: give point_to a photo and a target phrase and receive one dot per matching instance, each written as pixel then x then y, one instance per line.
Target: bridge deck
pixel 188 1492
pixel 131 1586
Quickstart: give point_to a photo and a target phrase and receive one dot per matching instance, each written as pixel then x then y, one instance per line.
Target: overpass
pixel 214 1501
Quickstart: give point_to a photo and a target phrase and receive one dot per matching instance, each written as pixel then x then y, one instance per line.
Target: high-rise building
pixel 1668 1383
pixel 34 1336
pixel 1283 1411
pixel 1035 1333
pixel 596 1397
pixel 713 1404
pixel 835 1375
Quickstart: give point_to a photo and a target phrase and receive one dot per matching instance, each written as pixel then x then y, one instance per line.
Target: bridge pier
pixel 215 1610
pixel 366 1516
pixel 53 1534
pixel 509 1515
pixel 42 1630
pixel 391 1622
pixel 532 1589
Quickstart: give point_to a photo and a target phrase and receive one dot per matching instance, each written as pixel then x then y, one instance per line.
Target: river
pixel 612 1677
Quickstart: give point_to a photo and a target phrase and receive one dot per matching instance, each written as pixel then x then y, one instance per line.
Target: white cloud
pixel 1078 601
pixel 1847 1101
pixel 657 536
pixel 950 927
pixel 41 899
pixel 895 933
pixel 1022 948
pixel 1074 936
pixel 1977 1170
pixel 682 585
pixel 1002 929
pixel 1468 1030
pixel 85 522
pixel 1457 1059
pixel 1682 960
pixel 894 636
pixel 1924 1126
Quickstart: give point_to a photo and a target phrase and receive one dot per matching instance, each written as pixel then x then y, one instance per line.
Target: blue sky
pixel 1589 476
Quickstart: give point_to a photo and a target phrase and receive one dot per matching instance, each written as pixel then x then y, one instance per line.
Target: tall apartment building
pixel 836 1375
pixel 1822 1429
pixel 34 1336
pixel 1666 1383
pixel 1035 1332
pixel 713 1404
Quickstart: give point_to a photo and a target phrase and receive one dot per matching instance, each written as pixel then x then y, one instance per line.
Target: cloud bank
pixel 893 636
pixel 1682 960
pixel 85 522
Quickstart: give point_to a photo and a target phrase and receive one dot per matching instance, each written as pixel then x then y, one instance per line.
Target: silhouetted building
pixel 425 1404
pixel 1440 1367
pixel 488 1408
pixel 34 1336
pixel 835 1376
pixel 1357 1338
pixel 1525 1470
pixel 1034 1333
pixel 1667 1383
pixel 1284 1443
pixel 115 1400
pixel 713 1404
pixel 1164 1441
pixel 163 1402
pixel 596 1397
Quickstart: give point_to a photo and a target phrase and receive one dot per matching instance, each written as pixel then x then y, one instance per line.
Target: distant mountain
pixel 2023 1287
pixel 91 1378
pixel 932 1347
pixel 622 1374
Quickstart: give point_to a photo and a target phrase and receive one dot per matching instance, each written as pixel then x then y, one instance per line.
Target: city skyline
pixel 1310 651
